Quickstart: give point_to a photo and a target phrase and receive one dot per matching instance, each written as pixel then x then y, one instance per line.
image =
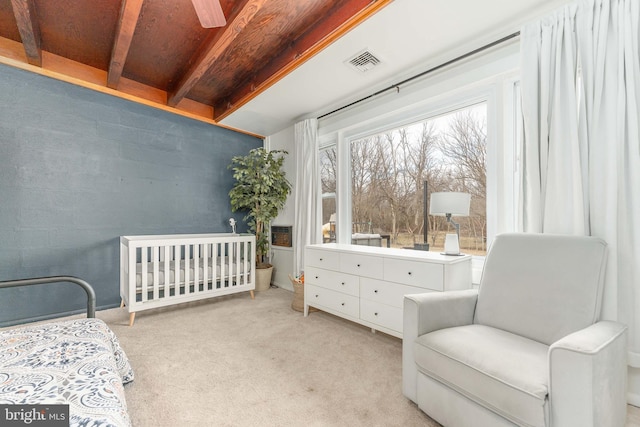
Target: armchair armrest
pixel 588 377
pixel 438 310
pixel 424 313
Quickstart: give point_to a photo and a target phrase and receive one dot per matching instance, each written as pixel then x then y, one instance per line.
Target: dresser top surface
pixel 408 254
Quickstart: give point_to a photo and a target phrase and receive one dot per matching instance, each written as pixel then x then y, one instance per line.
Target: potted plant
pixel 261 189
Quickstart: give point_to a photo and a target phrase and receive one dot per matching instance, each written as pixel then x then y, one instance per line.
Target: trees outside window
pixel 328 178
pixel 388 171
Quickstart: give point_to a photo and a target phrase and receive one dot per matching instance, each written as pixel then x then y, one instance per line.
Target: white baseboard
pixel 633 385
pixel 633 399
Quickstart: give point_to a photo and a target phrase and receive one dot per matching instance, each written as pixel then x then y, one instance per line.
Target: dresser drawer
pixel 415 273
pixel 386 292
pixel 381 314
pixel 334 280
pixel 321 259
pixel 337 301
pixel 361 265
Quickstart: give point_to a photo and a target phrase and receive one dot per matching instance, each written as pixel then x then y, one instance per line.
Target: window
pixel 328 174
pixel 423 116
pixel 389 170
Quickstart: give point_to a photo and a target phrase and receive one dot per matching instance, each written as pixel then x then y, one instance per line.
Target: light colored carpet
pixel 234 361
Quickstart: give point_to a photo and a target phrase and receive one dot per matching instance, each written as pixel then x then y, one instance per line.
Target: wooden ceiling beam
pixel 66 70
pixel 129 14
pixel 206 58
pixel 339 22
pixel 25 14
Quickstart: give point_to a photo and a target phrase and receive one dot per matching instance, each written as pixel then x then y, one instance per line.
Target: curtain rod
pixel 424 73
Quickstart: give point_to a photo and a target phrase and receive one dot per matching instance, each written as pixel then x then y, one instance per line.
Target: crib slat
pixel 229 263
pixel 214 266
pixel 143 260
pixel 156 272
pixel 243 260
pixel 245 257
pixel 177 251
pixel 196 269
pixel 252 262
pixel 239 264
pixel 233 267
pixel 132 275
pixel 205 267
pixel 232 259
pixel 224 270
pixel 187 272
pixel 170 283
pixel 166 264
pixel 172 271
pixel 236 263
pixel 230 256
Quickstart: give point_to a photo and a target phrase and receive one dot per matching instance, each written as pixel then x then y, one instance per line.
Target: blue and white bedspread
pixel 76 362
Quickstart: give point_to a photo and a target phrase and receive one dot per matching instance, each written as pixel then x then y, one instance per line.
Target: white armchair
pixel 527 348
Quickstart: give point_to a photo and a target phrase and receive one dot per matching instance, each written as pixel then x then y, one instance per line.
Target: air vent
pixel 363 61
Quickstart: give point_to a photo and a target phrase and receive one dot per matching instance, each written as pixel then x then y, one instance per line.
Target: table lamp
pixel 449 204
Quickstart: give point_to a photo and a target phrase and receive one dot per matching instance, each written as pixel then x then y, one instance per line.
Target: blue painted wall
pixel 79 168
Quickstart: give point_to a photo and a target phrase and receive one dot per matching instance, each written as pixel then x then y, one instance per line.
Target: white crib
pixel 156 271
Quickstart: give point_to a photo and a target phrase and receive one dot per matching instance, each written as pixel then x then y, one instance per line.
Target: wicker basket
pixel 298 295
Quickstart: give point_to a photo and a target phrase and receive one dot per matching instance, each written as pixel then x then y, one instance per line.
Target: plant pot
pixel 263 278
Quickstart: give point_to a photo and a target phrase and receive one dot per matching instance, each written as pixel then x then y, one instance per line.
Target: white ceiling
pixel 408 36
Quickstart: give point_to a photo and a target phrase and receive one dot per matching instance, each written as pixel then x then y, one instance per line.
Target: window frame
pixel 490 78
pixel 413 115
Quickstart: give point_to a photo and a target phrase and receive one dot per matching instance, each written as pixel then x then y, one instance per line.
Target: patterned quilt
pixel 77 362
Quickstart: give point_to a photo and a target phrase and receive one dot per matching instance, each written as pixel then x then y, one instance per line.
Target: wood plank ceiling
pixel 157 53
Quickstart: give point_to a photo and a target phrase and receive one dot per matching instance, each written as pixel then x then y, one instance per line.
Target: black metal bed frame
pixel 91 295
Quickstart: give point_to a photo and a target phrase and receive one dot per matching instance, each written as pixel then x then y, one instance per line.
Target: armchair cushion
pixel 506 372
pixel 542 286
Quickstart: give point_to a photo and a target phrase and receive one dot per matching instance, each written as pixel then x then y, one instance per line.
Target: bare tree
pixel 421 166
pixel 464 146
pixel 328 179
pixel 364 171
pixel 389 185
pixel 389 170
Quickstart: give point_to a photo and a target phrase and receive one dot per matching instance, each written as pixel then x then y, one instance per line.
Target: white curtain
pixel 307 223
pixel 553 188
pixel 581 145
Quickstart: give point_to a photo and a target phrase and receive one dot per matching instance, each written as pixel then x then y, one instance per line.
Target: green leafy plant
pixel 261 188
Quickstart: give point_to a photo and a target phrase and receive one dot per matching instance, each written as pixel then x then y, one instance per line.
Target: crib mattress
pixel 78 362
pixel 236 268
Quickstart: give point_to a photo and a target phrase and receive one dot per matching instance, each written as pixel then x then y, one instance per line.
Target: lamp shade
pixel 456 204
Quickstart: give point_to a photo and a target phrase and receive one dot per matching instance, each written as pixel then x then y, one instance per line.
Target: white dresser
pixel 367 284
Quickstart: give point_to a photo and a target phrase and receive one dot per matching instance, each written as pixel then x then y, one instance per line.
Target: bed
pixel 77 362
pixel 163 270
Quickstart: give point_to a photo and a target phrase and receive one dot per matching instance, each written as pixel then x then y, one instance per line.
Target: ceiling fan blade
pixel 209 13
